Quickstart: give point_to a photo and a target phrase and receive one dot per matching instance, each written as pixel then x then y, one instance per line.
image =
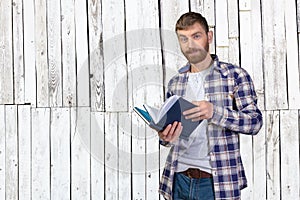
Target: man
pixel 208 165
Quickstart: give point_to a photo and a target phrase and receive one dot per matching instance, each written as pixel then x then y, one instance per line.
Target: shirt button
pixel 212 156
pixel 206 97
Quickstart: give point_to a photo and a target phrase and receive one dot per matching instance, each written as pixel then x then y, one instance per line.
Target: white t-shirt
pixel 193 153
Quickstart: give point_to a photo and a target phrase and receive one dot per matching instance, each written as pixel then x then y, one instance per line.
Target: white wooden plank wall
pixel 71 72
pixel 54 53
pixel 96 63
pixel 69 83
pixel 24 151
pixel 29 53
pixel 41 49
pixel 6 53
pixel 18 52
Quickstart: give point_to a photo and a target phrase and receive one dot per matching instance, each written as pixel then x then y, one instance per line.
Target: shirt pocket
pixel 221 99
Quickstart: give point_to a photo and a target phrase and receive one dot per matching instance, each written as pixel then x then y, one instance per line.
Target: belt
pixel 196 173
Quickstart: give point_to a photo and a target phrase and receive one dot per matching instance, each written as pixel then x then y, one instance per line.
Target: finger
pixel 171 132
pixel 175 133
pixel 191 111
pixel 166 130
pixel 198 116
pixel 194 115
pixel 178 129
pixel 174 125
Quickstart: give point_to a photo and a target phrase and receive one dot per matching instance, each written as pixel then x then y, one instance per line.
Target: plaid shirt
pixel 230 89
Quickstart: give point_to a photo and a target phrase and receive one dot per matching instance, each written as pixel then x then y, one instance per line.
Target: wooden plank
pixel 2 152
pixel 274 57
pixel 298 15
pixel 152 164
pixel 221 31
pixel 29 52
pixel 144 57
pixel 233 34
pixel 83 92
pixel 170 11
pixel 257 57
pixel 11 152
pixel 246 143
pixel 280 55
pixel 124 148
pixel 68 53
pixel 54 52
pixel 233 19
pixel 197 6
pixel 246 41
pixel 97 156
pixel 111 156
pixel 41 54
pixel 292 52
pixel 138 158
pixel 273 155
pixel 19 81
pixel 234 46
pixel 24 131
pixel 289 155
pixel 6 54
pixel 259 163
pixel 60 153
pixel 221 24
pixel 244 5
pixel 96 55
pixel 209 12
pixel 40 187
pixel 223 53
pixel 116 98
pixel 80 153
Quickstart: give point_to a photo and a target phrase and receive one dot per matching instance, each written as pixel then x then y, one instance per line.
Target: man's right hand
pixel 171 132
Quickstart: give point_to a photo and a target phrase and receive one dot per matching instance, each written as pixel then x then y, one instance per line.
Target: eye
pixel 183 39
pixel 197 36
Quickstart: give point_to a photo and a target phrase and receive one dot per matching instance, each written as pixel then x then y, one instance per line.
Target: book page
pixel 157 114
pixel 166 106
pixel 153 112
pixel 143 114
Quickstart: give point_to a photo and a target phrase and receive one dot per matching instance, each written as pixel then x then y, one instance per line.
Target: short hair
pixel 189 19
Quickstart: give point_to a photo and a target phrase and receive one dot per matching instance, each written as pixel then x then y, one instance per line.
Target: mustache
pixel 193 50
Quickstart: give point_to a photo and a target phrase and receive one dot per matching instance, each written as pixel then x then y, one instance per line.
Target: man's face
pixel 194 43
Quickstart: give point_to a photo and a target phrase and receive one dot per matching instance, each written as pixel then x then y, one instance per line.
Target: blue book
pixel 169 112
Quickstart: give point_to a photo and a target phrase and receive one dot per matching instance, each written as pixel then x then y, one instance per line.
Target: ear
pixel 210 35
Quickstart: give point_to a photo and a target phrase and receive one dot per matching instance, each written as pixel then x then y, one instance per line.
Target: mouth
pixel 193 51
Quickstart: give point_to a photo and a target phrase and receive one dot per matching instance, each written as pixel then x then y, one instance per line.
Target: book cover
pixel 170 112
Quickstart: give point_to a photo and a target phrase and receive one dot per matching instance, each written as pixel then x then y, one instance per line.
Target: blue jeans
pixel 185 188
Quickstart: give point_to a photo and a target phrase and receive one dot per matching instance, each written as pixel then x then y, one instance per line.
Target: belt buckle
pixel 190 175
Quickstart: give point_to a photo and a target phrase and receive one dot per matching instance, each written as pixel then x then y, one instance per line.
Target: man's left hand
pixel 203 110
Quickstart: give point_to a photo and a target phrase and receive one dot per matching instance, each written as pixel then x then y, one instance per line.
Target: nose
pixel 190 43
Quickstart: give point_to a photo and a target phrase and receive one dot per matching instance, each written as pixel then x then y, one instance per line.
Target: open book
pixel 169 112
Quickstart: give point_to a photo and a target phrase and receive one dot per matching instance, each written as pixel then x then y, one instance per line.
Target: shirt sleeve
pixel 244 116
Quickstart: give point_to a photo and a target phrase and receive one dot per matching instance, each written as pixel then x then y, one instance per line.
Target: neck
pixel 198 67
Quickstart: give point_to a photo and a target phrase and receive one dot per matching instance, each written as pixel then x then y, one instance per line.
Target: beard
pixel 196 55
